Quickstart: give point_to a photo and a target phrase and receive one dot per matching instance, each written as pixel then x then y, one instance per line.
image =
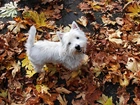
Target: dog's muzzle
pixel 78 48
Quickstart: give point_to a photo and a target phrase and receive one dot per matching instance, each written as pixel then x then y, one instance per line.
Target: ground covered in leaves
pixel 110 75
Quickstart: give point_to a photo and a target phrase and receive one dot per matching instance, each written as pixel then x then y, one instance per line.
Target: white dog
pixel 69 51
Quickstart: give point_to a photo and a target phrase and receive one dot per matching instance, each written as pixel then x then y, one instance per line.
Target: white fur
pixel 69 55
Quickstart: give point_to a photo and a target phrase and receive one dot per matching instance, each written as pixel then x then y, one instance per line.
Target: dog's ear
pixel 60 35
pixel 74 25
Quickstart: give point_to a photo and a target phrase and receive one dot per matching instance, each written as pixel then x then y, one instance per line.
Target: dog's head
pixel 74 41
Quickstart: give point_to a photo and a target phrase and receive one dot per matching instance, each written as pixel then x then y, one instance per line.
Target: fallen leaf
pixel 84 6
pixel 83 21
pixel 124 80
pixel 133 9
pixel 116 37
pixel 15 26
pixel 137 101
pixel 92 94
pixel 132 65
pixel 2 25
pixel 49 100
pixel 81 95
pixel 105 100
pixel 123 96
pixel 114 67
pixel 28 66
pixel 16 68
pixel 3 93
pixel 63 90
pixel 106 20
pixel 136 38
pixel 33 101
pixel 43 89
pixel 75 73
pixel 119 21
pixel 62 100
pixel 79 102
pixel 46 1
pixel 39 20
pixel 128 25
pixel 9 10
pixel 95 5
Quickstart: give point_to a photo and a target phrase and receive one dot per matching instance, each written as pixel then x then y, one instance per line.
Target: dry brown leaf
pixel 16 68
pixel 115 37
pixel 63 90
pixel 2 25
pixel 119 21
pixel 62 100
pixel 49 100
pixel 92 94
pixel 81 94
pixel 79 102
pixel 95 5
pixel 125 79
pixel 137 101
pixel 15 27
pixel 136 38
pixel 123 96
pixel 84 6
pixel 83 21
pixel 114 66
pixel 133 65
pixel 106 20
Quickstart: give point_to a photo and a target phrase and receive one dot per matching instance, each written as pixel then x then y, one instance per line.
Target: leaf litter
pixel 113 54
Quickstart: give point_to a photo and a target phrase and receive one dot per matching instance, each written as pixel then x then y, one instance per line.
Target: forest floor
pixel 110 75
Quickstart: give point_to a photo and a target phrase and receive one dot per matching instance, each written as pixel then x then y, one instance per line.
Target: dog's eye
pixel 69 43
pixel 77 37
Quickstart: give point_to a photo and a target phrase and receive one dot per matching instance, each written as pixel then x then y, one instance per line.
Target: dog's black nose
pixel 78 47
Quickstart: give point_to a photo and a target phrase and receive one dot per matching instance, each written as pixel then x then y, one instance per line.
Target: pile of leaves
pixel 113 31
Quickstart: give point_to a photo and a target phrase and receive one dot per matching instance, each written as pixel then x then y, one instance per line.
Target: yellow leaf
pixel 109 101
pixel 38 19
pixel 133 10
pixel 30 73
pixel 75 73
pixel 28 66
pixel 104 100
pixel 124 80
pixel 43 89
pixel 3 93
pixel 95 5
pixel 26 63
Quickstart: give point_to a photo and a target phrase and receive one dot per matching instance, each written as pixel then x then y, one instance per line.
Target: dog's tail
pixel 30 41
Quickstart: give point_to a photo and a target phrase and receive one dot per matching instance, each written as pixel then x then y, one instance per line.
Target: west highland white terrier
pixel 69 51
